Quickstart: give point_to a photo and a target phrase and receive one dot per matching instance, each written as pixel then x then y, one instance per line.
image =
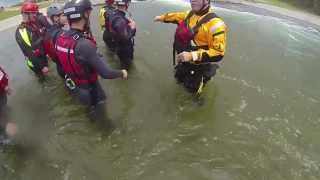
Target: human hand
pixel 45 70
pixel 124 74
pixel 184 57
pixel 11 129
pixel 157 19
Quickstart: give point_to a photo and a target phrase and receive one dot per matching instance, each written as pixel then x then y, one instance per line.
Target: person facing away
pixel 104 15
pixel 77 54
pixel 200 42
pixel 123 30
pixel 29 36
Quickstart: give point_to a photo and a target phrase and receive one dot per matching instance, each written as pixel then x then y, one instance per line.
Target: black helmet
pixel 74 9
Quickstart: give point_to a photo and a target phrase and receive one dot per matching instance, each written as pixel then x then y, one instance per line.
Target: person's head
pixel 64 20
pixel 78 13
pixel 54 12
pixel 29 12
pixel 199 5
pixel 122 4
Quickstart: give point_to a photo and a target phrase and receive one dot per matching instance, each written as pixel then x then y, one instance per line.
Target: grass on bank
pixel 15 10
pixel 279 3
pixel 8 14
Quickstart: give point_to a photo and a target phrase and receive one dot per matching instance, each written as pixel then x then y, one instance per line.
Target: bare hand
pixel 184 57
pixel 11 129
pixel 124 74
pixel 132 24
pixel 45 70
pixel 157 19
pixel 8 90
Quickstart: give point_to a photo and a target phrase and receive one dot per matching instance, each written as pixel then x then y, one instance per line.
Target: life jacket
pixel 80 74
pixel 112 19
pixel 3 81
pixel 50 40
pixel 109 11
pixel 184 36
pixel 33 38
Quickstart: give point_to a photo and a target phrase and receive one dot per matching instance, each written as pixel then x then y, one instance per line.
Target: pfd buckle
pixel 76 37
pixel 70 84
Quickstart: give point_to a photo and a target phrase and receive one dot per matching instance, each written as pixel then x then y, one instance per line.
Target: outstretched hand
pixel 157 19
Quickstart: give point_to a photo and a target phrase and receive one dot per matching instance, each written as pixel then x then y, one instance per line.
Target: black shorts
pixel 191 75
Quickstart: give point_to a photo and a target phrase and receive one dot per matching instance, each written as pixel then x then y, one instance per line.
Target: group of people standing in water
pixel 64 36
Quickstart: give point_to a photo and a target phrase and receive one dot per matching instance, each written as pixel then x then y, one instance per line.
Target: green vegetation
pixel 8 14
pixel 309 5
pixel 15 10
pixel 279 3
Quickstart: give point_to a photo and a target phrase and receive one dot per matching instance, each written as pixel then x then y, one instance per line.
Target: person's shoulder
pixel 84 45
pixel 216 24
pixel 21 26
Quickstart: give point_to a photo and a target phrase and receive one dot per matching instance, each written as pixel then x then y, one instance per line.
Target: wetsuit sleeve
pixel 120 25
pixel 216 36
pixel 175 17
pixel 28 51
pixel 86 53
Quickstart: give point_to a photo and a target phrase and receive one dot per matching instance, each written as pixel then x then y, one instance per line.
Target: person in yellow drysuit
pixel 200 42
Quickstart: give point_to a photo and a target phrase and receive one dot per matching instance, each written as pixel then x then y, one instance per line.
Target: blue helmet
pixel 54 10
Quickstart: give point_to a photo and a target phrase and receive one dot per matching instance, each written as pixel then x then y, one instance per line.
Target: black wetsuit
pixel 35 51
pixel 124 37
pixel 86 53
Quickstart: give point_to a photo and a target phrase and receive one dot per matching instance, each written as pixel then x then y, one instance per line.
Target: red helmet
pixel 29 7
pixel 109 2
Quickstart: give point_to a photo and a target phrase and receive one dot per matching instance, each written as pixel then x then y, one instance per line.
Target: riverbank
pixel 15 10
pixel 289 11
pixel 10 17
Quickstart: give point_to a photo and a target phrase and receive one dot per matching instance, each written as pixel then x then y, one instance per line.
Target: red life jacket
pixel 3 81
pixel 185 35
pixel 81 74
pixel 49 42
pixel 35 35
